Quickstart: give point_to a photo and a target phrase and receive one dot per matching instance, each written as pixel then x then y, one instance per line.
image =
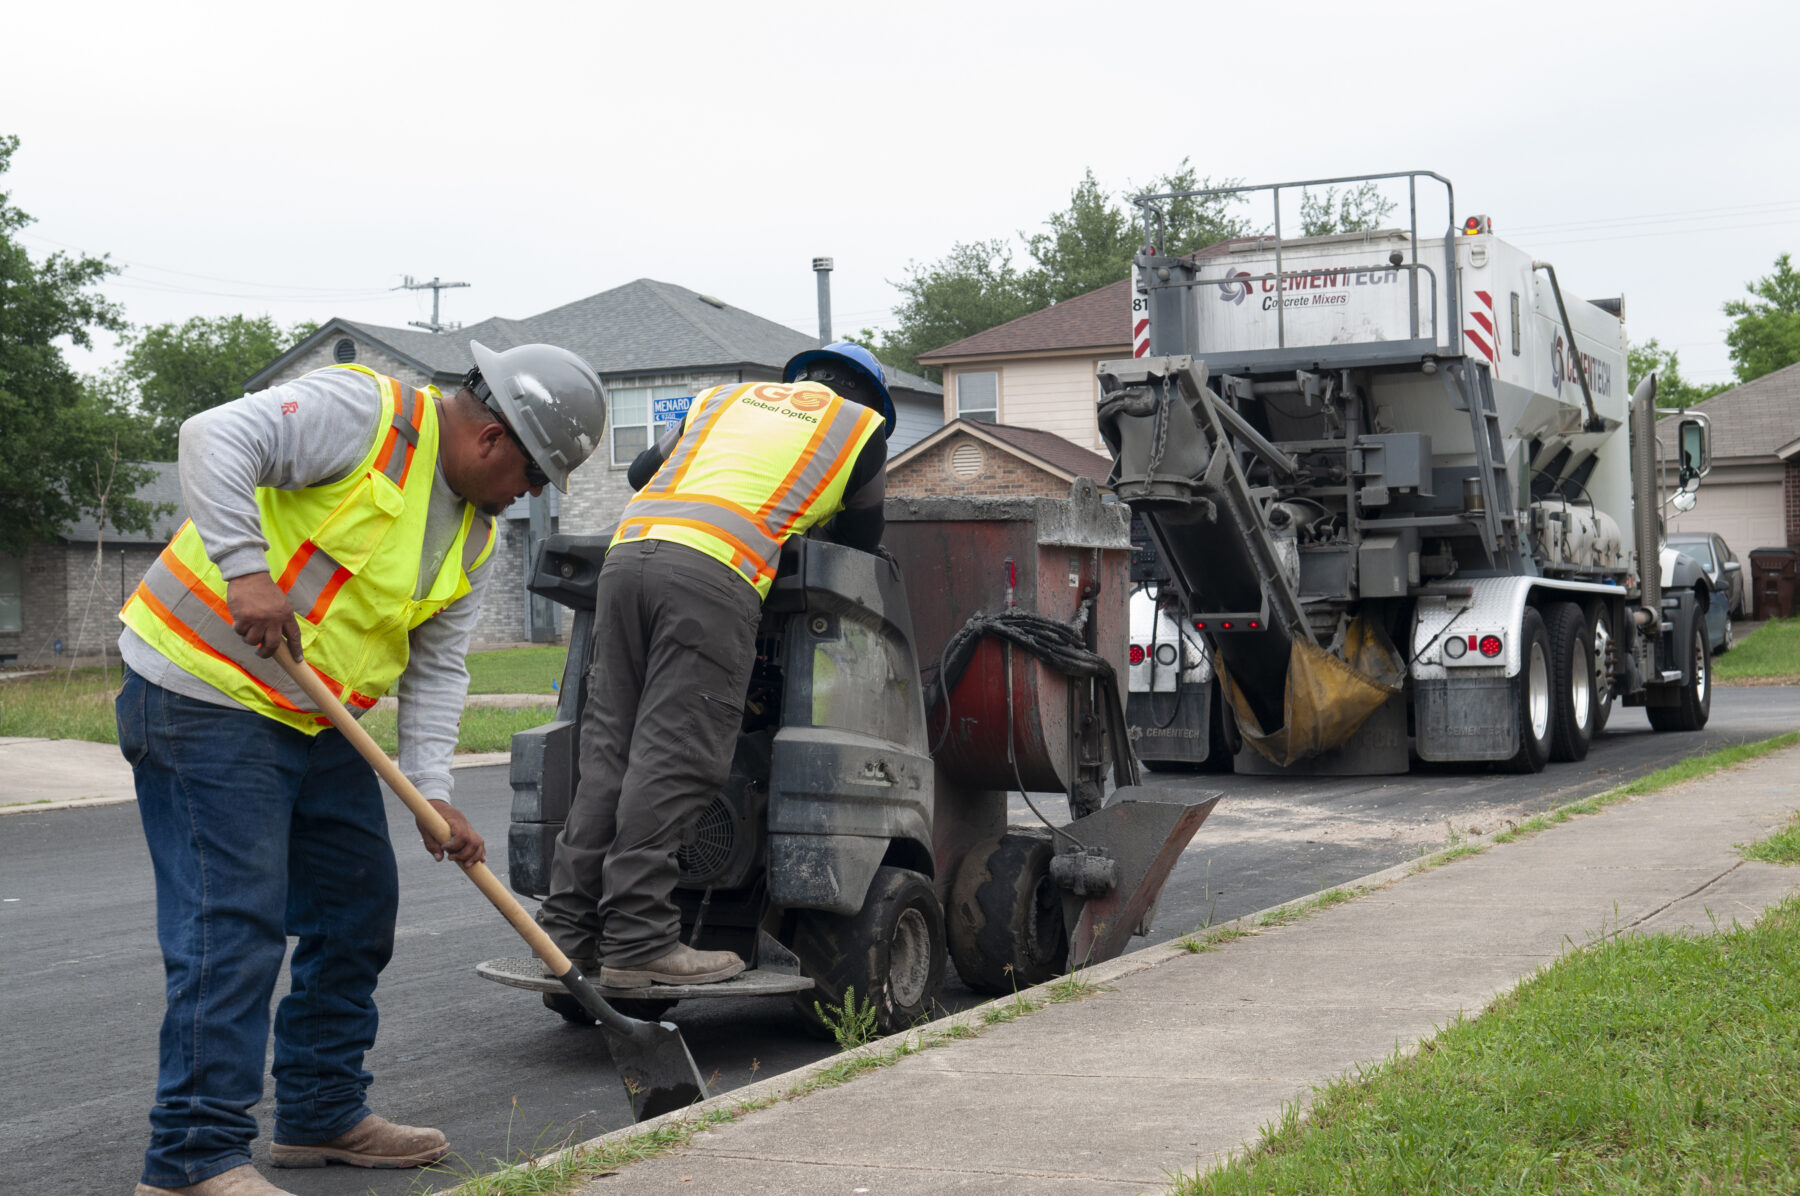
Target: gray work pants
pixel 674 643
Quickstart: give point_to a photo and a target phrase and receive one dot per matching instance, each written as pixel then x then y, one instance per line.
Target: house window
pixel 631 430
pixel 12 594
pixel 978 397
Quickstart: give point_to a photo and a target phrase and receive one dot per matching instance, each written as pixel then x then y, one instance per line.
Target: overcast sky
pixel 301 159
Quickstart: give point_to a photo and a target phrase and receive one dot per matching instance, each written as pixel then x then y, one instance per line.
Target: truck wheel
pixel 1695 706
pixel 1572 674
pixel 891 952
pixel 1603 648
pixel 1534 695
pixel 570 1010
pixel 1006 919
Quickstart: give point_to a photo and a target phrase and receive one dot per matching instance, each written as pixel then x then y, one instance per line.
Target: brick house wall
pixel 1791 502
pixel 62 600
pixel 999 474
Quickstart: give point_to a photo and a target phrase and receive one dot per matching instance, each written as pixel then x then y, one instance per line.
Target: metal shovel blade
pixel 654 1064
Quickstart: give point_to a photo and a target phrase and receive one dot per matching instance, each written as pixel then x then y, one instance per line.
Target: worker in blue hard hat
pixel 676 611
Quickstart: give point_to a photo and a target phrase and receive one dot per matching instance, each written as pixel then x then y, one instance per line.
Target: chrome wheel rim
pixel 1602 688
pixel 1537 691
pixel 1581 695
pixel 1701 678
pixel 909 959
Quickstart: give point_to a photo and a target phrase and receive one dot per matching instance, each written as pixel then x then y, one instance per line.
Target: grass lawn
pixel 1769 654
pixel 61 705
pixel 79 705
pixel 1649 1063
pixel 484 728
pixel 516 670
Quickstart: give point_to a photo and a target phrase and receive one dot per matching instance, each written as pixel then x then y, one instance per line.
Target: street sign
pixel 670 411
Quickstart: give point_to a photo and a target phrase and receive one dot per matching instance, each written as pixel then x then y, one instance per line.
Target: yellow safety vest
pixel 756 463
pixel 347 555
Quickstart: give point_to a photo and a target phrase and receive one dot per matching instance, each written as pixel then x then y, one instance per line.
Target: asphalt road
pixel 81 980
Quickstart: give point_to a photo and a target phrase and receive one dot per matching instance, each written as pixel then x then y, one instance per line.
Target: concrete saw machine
pixel 862 839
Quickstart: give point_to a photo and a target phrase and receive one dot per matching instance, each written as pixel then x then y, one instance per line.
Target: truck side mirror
pixel 1694 436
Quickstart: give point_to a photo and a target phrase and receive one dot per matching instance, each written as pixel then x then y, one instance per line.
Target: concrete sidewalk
pixel 1186 1057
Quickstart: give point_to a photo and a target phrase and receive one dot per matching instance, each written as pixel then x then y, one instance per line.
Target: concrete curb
pixel 466 760
pixel 1141 960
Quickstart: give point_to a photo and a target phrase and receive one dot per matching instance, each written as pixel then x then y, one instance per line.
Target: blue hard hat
pixel 860 361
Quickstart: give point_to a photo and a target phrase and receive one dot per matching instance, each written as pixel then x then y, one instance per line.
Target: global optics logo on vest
pixel 784 409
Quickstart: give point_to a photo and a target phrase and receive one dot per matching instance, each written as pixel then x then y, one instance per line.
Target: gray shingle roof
pixel 164 487
pixel 643 327
pixel 1756 419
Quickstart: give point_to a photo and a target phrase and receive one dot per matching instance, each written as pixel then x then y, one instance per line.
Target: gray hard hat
pixel 553 401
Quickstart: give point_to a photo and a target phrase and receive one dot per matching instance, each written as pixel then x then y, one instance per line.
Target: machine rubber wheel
pixel 1603 648
pixel 1006 919
pixel 1695 706
pixel 891 952
pixel 1534 691
pixel 1572 675
pixel 1222 738
pixel 570 1010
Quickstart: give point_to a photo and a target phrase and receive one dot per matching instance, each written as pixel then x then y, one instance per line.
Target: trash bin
pixel 1772 581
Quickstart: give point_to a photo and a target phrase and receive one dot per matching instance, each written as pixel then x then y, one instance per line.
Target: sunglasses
pixel 533 474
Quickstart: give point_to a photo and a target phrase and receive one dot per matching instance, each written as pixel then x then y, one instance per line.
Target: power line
pixel 299 291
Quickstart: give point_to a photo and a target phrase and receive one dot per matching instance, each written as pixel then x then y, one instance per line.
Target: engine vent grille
pixel 710 850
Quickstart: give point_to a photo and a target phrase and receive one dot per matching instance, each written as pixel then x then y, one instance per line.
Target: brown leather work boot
pixel 681 964
pixel 239 1181
pixel 372 1142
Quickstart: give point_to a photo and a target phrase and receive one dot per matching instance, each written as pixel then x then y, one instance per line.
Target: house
pixel 1752 495
pixel 981 459
pixel 1038 371
pixel 648 340
pixel 62 598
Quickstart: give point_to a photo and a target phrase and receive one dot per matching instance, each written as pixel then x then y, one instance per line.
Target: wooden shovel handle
pixel 432 821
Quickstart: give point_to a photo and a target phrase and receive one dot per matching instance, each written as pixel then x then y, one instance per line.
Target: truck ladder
pixel 1471 390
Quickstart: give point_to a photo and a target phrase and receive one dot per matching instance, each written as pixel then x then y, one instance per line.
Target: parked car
pixel 1725 574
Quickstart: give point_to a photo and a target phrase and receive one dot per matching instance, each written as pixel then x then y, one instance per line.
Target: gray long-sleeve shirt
pixel 310 432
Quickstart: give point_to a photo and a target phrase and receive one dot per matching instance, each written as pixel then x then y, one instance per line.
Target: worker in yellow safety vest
pixel 677 605
pixel 350 517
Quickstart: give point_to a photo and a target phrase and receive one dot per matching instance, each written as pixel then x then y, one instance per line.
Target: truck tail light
pixel 1456 647
pixel 1199 624
pixel 1137 654
pixel 1490 646
pixel 1165 654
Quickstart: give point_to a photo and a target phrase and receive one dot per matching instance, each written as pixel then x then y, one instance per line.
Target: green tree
pixel 971 289
pixel 68 448
pixel 1672 390
pixel 1354 210
pixel 1765 334
pixel 178 370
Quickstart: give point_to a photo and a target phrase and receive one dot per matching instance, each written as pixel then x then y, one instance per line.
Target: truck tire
pixel 1604 648
pixel 891 952
pixel 1006 919
pixel 570 1010
pixel 1572 674
pixel 1695 705
pixel 1534 691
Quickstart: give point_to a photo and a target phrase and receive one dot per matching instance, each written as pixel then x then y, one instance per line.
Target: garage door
pixel 1747 514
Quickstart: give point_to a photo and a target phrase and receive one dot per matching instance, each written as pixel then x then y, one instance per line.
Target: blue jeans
pixel 257 832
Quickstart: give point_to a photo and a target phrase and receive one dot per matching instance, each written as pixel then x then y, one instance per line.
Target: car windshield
pixel 1700 550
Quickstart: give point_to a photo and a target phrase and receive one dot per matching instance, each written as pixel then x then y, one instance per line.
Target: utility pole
pixel 436 286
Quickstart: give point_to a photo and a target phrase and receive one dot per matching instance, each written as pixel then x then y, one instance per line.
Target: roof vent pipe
pixel 822 268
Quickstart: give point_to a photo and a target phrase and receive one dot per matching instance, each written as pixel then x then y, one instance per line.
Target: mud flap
pixel 1144 831
pixel 1326 699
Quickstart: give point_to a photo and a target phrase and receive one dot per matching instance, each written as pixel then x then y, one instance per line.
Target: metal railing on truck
pixel 1155 220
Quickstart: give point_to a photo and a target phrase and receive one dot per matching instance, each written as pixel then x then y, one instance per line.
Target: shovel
pixel 654 1063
